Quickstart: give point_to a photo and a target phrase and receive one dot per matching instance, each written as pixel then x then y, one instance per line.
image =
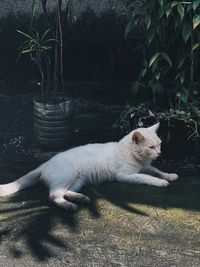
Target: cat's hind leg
pixel 62 193
pixel 57 197
pixel 77 197
pixel 72 195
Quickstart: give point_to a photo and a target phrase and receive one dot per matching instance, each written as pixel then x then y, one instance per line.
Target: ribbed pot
pixel 53 123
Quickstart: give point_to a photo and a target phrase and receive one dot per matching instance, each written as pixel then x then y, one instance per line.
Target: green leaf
pixel 154 67
pixel 153 59
pixel 25 34
pixel 162 55
pixel 157 75
pixel 145 63
pixel 50 40
pixel 45 34
pixel 178 76
pixel 168 9
pixel 46 47
pixel 28 51
pixel 37 36
pixel 196 21
pixel 148 22
pixel 181 10
pixel 174 3
pixel 184 95
pixel 161 11
pixel 143 73
pixel 167 58
pixel 195 46
pixel 182 79
pixel 130 25
pixel 189 7
pixel 128 29
pixel 150 34
pixel 24 44
pixel 135 88
pixel 181 61
pixel 160 88
pixel 195 4
pixel 186 30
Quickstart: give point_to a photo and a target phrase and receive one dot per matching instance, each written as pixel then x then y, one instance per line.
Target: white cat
pixel 126 161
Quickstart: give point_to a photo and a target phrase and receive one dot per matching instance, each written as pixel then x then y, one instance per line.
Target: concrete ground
pixel 125 225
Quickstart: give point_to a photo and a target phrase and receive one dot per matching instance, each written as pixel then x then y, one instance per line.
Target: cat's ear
pixel 137 137
pixel 155 127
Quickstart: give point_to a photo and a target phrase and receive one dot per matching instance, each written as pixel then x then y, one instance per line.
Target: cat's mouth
pixel 157 156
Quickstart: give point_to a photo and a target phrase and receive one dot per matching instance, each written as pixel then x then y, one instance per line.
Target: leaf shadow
pixel 183 193
pixel 28 216
pixel 32 219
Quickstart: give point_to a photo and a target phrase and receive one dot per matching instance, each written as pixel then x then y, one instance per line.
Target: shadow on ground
pixel 29 218
pixel 183 194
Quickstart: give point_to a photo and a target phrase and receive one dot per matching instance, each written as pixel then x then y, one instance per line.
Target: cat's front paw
pixel 171 177
pixel 162 183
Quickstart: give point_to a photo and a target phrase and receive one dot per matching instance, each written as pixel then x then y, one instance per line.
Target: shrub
pixel 170 44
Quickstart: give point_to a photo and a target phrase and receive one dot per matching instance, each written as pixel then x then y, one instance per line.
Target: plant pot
pixel 53 123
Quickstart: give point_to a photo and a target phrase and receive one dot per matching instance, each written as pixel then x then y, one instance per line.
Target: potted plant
pixel 53 109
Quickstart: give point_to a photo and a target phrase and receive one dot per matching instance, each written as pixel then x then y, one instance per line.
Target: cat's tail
pixel 25 181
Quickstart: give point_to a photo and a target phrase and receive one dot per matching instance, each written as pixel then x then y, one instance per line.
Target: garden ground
pixel 125 225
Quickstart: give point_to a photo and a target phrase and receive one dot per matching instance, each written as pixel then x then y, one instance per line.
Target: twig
pixel 44 7
pixel 61 44
pixel 55 76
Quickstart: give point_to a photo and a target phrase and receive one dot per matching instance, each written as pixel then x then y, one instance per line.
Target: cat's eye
pixel 152 147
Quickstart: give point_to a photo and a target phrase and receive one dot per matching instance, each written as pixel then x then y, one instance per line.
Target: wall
pixel 18 7
pixel 95 50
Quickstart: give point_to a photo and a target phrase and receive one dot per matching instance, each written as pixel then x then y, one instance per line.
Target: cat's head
pixel 146 142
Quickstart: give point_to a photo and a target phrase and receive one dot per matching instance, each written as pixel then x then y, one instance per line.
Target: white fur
pixel 126 161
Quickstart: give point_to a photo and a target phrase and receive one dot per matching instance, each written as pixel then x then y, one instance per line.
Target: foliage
pixel 171 42
pixel 141 115
pixel 37 47
pixel 46 49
